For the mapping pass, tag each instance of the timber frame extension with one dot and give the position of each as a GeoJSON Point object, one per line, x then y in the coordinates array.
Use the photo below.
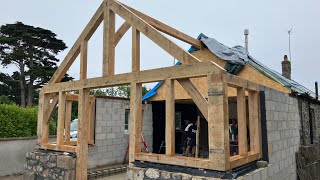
{"type": "Point", "coordinates": [214, 108]}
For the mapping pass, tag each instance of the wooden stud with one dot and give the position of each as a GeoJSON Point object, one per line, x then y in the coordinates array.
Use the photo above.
{"type": "Point", "coordinates": [166, 29]}
{"type": "Point", "coordinates": [42, 126]}
{"type": "Point", "coordinates": [149, 31]}
{"type": "Point", "coordinates": [254, 121]}
{"type": "Point", "coordinates": [67, 122]}
{"type": "Point", "coordinates": [92, 119]}
{"type": "Point", "coordinates": [135, 50]}
{"type": "Point", "coordinates": [61, 117]}
{"type": "Point", "coordinates": [82, 139]}
{"type": "Point", "coordinates": [170, 118]}
{"type": "Point", "coordinates": [75, 49]}
{"type": "Point", "coordinates": [218, 121]}
{"type": "Point", "coordinates": [84, 60]}
{"type": "Point", "coordinates": [198, 137]}
{"type": "Point", "coordinates": [242, 122]}
{"type": "Point", "coordinates": [195, 95]}
{"type": "Point", "coordinates": [155, 75]}
{"type": "Point", "coordinates": [135, 120]}
{"type": "Point", "coordinates": [121, 31]}
{"type": "Point", "coordinates": [108, 41]}
{"type": "Point", "coordinates": [236, 161]}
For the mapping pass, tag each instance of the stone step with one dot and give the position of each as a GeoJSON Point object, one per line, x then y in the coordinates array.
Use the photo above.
{"type": "Point", "coordinates": [98, 173]}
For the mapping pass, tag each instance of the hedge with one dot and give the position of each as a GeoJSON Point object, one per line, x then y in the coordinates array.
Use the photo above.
{"type": "Point", "coordinates": [16, 121]}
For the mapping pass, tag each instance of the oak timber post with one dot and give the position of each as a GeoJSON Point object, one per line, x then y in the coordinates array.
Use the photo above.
{"type": "Point", "coordinates": [218, 122]}
{"type": "Point", "coordinates": [170, 118]}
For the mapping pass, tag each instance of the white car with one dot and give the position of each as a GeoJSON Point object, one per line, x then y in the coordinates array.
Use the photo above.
{"type": "Point", "coordinates": [74, 130]}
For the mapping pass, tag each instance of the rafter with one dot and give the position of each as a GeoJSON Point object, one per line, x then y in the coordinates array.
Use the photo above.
{"type": "Point", "coordinates": [166, 29]}
{"type": "Point", "coordinates": [153, 34]}
{"type": "Point", "coordinates": [75, 50]}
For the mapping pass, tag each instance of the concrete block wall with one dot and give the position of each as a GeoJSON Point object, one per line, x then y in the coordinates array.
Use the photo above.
{"type": "Point", "coordinates": [111, 139]}
{"type": "Point", "coordinates": [283, 123]}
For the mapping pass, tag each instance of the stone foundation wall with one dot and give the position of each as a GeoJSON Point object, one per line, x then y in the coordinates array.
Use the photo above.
{"type": "Point", "coordinates": [42, 164]}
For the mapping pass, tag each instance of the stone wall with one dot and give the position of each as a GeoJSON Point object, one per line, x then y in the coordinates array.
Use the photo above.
{"type": "Point", "coordinates": [42, 164]}
{"type": "Point", "coordinates": [111, 138]}
{"type": "Point", "coordinates": [309, 111]}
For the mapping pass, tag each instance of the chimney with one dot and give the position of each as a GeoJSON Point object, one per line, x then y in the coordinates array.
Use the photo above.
{"type": "Point", "coordinates": [317, 93]}
{"type": "Point", "coordinates": [286, 67]}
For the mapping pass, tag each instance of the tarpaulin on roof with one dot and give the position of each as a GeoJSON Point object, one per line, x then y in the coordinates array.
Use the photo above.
{"type": "Point", "coordinates": [236, 58]}
{"type": "Point", "coordinates": [238, 55]}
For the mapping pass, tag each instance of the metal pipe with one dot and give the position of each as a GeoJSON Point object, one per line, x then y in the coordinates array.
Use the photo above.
{"type": "Point", "coordinates": [246, 33]}
{"type": "Point", "coordinates": [316, 86]}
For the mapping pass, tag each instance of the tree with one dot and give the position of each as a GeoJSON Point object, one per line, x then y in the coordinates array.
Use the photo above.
{"type": "Point", "coordinates": [33, 51]}
{"type": "Point", "coordinates": [120, 91]}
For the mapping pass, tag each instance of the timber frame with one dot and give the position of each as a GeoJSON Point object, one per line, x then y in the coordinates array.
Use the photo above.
{"type": "Point", "coordinates": [214, 108]}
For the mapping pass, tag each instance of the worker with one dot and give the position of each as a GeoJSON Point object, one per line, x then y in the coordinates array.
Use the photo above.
{"type": "Point", "coordinates": [233, 135]}
{"type": "Point", "coordinates": [191, 131]}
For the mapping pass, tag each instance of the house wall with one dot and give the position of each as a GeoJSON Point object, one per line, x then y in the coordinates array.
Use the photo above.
{"type": "Point", "coordinates": [283, 126]}
{"type": "Point", "coordinates": [13, 152]}
{"type": "Point", "coordinates": [111, 139]}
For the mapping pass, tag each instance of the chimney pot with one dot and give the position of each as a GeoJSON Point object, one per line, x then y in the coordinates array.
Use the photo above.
{"type": "Point", "coordinates": [286, 67]}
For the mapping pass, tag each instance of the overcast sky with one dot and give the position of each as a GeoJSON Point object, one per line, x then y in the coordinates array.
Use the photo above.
{"type": "Point", "coordinates": [267, 21]}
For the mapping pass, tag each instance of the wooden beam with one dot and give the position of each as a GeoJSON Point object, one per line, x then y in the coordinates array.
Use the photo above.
{"type": "Point", "coordinates": [218, 121]}
{"type": "Point", "coordinates": [55, 147]}
{"type": "Point", "coordinates": [61, 117]}
{"type": "Point", "coordinates": [108, 41]}
{"type": "Point", "coordinates": [236, 161]}
{"type": "Point", "coordinates": [179, 161]}
{"type": "Point", "coordinates": [242, 122]}
{"type": "Point", "coordinates": [170, 118]}
{"type": "Point", "coordinates": [75, 49]}
{"type": "Point", "coordinates": [149, 31]}
{"type": "Point", "coordinates": [135, 50]}
{"type": "Point", "coordinates": [135, 120]}
{"type": "Point", "coordinates": [84, 60]}
{"type": "Point", "coordinates": [53, 104]}
{"type": "Point", "coordinates": [195, 95]}
{"type": "Point", "coordinates": [155, 75]}
{"type": "Point", "coordinates": [254, 121]}
{"type": "Point", "coordinates": [82, 139]}
{"type": "Point", "coordinates": [238, 82]}
{"type": "Point", "coordinates": [166, 29]}
{"type": "Point", "coordinates": [121, 31]}
{"type": "Point", "coordinates": [67, 122]}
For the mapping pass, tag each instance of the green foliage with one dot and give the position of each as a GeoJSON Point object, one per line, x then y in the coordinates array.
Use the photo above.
{"type": "Point", "coordinates": [16, 121]}
{"type": "Point", "coordinates": [119, 91]}
{"type": "Point", "coordinates": [5, 100]}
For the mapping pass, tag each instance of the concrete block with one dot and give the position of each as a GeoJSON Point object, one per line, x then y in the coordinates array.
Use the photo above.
{"type": "Point", "coordinates": [101, 136]}
{"type": "Point", "coordinates": [111, 135]}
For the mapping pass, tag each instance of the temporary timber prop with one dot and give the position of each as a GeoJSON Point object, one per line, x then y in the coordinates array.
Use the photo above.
{"type": "Point", "coordinates": [214, 108]}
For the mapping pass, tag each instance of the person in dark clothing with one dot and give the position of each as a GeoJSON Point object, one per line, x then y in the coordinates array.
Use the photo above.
{"type": "Point", "coordinates": [191, 131]}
